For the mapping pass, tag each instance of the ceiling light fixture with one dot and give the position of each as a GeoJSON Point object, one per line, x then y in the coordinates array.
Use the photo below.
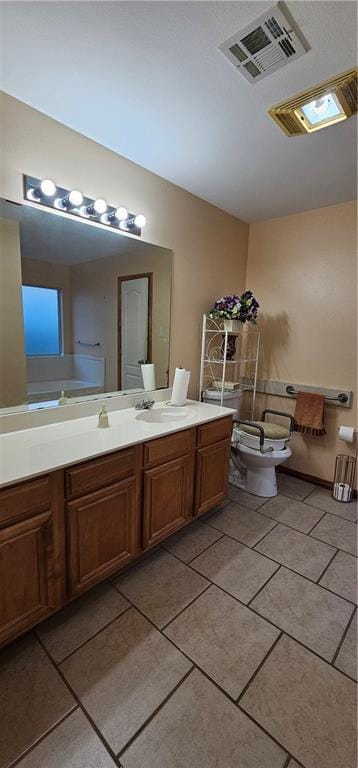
{"type": "Point", "coordinates": [322, 105]}
{"type": "Point", "coordinates": [94, 212]}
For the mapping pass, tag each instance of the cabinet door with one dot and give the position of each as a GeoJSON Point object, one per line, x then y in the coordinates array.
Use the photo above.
{"type": "Point", "coordinates": [168, 499]}
{"type": "Point", "coordinates": [30, 574]}
{"type": "Point", "coordinates": [212, 473]}
{"type": "Point", "coordinates": [101, 534]}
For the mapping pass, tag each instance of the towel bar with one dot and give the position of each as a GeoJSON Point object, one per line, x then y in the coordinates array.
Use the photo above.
{"type": "Point", "coordinates": [88, 344]}
{"type": "Point", "coordinates": [342, 397]}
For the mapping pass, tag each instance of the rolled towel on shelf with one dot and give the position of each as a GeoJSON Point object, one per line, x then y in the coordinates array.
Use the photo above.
{"type": "Point", "coordinates": [309, 414]}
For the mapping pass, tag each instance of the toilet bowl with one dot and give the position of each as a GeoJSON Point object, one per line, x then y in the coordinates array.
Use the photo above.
{"type": "Point", "coordinates": [254, 460]}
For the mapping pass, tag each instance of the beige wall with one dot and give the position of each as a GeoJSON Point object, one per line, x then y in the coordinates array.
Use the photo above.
{"type": "Point", "coordinates": [50, 275]}
{"type": "Point", "coordinates": [209, 246]}
{"type": "Point", "coordinates": [303, 270]}
{"type": "Point", "coordinates": [95, 305]}
{"type": "Point", "coordinates": [12, 349]}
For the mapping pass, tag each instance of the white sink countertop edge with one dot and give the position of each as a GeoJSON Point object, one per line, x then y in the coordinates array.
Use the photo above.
{"type": "Point", "coordinates": [30, 452]}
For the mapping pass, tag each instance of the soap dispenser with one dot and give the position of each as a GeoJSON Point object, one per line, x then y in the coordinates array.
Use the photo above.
{"type": "Point", "coordinates": [103, 418]}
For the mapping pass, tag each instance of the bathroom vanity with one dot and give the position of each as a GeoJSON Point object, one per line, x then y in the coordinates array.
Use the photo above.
{"type": "Point", "coordinates": [78, 503]}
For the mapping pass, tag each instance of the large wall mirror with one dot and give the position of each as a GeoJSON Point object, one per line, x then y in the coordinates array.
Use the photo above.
{"type": "Point", "coordinates": [82, 309]}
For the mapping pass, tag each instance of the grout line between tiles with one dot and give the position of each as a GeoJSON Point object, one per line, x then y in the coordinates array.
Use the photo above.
{"type": "Point", "coordinates": [79, 704]}
{"type": "Point", "coordinates": [42, 738]}
{"type": "Point", "coordinates": [326, 568]}
{"type": "Point", "coordinates": [262, 662]}
{"type": "Point", "coordinates": [186, 606]}
{"type": "Point", "coordinates": [92, 636]}
{"type": "Point", "coordinates": [186, 562]}
{"type": "Point", "coordinates": [155, 712]}
{"type": "Point", "coordinates": [342, 641]}
{"type": "Point", "coordinates": [263, 586]}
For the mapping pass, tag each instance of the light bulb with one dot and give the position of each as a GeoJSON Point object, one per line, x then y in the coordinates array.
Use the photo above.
{"type": "Point", "coordinates": [48, 187]}
{"type": "Point", "coordinates": [72, 200]}
{"type": "Point", "coordinates": [140, 220]}
{"type": "Point", "coordinates": [99, 205]}
{"type": "Point", "coordinates": [121, 213]}
{"type": "Point", "coordinates": [320, 106]}
{"type": "Point", "coordinates": [75, 198]}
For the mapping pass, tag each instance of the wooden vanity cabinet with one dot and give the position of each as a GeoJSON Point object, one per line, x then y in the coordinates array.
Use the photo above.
{"type": "Point", "coordinates": [65, 531]}
{"type": "Point", "coordinates": [32, 557]}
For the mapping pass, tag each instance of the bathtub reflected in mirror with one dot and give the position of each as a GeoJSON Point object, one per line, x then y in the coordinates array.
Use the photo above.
{"type": "Point", "coordinates": [82, 309]}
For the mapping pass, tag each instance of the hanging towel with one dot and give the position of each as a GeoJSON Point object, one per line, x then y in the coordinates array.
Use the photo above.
{"type": "Point", "coordinates": [309, 414]}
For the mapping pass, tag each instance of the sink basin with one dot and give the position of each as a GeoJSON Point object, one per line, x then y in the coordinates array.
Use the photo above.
{"type": "Point", "coordinates": [164, 415]}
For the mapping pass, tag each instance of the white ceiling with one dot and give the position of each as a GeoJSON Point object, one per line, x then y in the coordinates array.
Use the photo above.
{"type": "Point", "coordinates": [146, 79]}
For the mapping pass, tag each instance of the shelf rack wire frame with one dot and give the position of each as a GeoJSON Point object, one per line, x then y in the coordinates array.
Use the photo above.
{"type": "Point", "coordinates": [214, 353]}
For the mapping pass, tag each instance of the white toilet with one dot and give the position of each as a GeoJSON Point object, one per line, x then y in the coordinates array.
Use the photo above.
{"type": "Point", "coordinates": [257, 448]}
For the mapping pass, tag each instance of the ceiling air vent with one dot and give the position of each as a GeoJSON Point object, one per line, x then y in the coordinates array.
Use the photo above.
{"type": "Point", "coordinates": [268, 43]}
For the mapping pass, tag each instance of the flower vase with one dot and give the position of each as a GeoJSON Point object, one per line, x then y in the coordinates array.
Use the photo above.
{"type": "Point", "coordinates": [233, 326]}
{"type": "Point", "coordinates": [230, 346]}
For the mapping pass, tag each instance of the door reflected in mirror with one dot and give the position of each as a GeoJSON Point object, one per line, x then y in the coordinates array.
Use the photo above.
{"type": "Point", "coordinates": [82, 309]}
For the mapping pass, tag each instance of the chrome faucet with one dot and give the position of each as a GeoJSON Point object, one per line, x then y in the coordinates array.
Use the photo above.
{"type": "Point", "coordinates": [144, 405]}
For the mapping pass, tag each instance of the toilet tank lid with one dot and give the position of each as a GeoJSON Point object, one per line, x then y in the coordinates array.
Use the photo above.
{"type": "Point", "coordinates": [271, 431]}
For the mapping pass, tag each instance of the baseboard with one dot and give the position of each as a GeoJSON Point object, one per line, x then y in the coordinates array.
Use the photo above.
{"type": "Point", "coordinates": [311, 479]}
{"type": "Point", "coordinates": [308, 478]}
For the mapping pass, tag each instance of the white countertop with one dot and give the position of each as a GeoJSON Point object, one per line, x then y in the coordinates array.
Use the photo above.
{"type": "Point", "coordinates": [31, 452]}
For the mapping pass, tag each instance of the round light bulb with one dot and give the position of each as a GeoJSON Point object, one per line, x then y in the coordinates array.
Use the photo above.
{"type": "Point", "coordinates": [48, 187]}
{"type": "Point", "coordinates": [100, 206]}
{"type": "Point", "coordinates": [320, 106]}
{"type": "Point", "coordinates": [104, 219]}
{"type": "Point", "coordinates": [140, 221]}
{"type": "Point", "coordinates": [75, 198]}
{"type": "Point", "coordinates": [121, 213]}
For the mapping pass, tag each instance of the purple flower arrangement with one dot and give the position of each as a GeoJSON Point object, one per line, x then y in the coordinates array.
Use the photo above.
{"type": "Point", "coordinates": [243, 308]}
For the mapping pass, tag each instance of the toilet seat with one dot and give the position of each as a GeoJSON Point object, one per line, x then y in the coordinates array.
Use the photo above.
{"type": "Point", "coordinates": [252, 441]}
{"type": "Point", "coordinates": [277, 456]}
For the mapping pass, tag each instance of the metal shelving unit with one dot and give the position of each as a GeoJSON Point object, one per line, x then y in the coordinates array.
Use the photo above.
{"type": "Point", "coordinates": [217, 371]}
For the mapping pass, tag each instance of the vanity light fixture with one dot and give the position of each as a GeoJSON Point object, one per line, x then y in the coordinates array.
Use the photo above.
{"type": "Point", "coordinates": [76, 204]}
{"type": "Point", "coordinates": [325, 104]}
{"type": "Point", "coordinates": [47, 188]}
{"type": "Point", "coordinates": [72, 200]}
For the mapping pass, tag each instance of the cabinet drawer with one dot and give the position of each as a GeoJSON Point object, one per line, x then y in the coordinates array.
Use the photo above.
{"type": "Point", "coordinates": [100, 472]}
{"type": "Point", "coordinates": [214, 431]}
{"type": "Point", "coordinates": [23, 500]}
{"type": "Point", "coordinates": [170, 447]}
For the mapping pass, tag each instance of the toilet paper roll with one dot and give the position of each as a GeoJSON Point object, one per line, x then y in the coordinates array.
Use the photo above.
{"type": "Point", "coordinates": [148, 376]}
{"type": "Point", "coordinates": [180, 386]}
{"type": "Point", "coordinates": [346, 434]}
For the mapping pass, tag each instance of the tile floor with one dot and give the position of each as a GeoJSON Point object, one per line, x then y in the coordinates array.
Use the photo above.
{"type": "Point", "coordinates": [233, 645]}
